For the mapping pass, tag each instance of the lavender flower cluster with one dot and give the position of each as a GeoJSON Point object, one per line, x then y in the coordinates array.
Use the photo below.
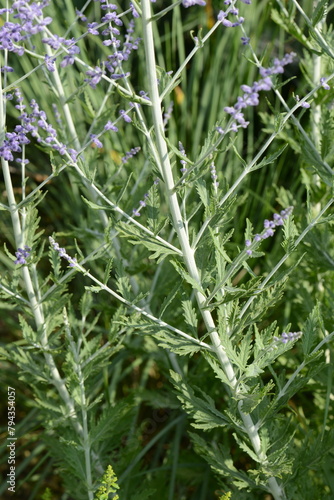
{"type": "Point", "coordinates": [130, 154]}
{"type": "Point", "coordinates": [190, 3]}
{"type": "Point", "coordinates": [35, 123]}
{"type": "Point", "coordinates": [288, 337]}
{"type": "Point", "coordinates": [31, 123]}
{"type": "Point", "coordinates": [142, 203]}
{"type": "Point", "coordinates": [29, 20]}
{"type": "Point", "coordinates": [183, 169]}
{"type": "Point", "coordinates": [269, 226]}
{"type": "Point", "coordinates": [251, 94]}
{"type": "Point", "coordinates": [113, 63]}
{"type": "Point", "coordinates": [22, 254]}
{"type": "Point", "coordinates": [222, 16]}
{"type": "Point", "coordinates": [284, 338]}
{"type": "Point", "coordinates": [214, 175]}
{"type": "Point", "coordinates": [62, 252]}
{"type": "Point", "coordinates": [202, 3]}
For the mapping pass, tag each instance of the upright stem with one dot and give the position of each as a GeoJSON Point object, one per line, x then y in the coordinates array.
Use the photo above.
{"type": "Point", "coordinates": [35, 306]}
{"type": "Point", "coordinates": [187, 251]}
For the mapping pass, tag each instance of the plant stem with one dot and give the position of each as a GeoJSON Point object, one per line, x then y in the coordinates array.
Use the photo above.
{"type": "Point", "coordinates": [188, 252]}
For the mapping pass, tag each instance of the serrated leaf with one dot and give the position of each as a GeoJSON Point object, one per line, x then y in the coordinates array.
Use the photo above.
{"type": "Point", "coordinates": [202, 410]}
{"type": "Point", "coordinates": [139, 238]}
{"type": "Point", "coordinates": [118, 415]}
{"type": "Point", "coordinates": [169, 298]}
{"type": "Point", "coordinates": [290, 26]}
{"type": "Point", "coordinates": [89, 105]}
{"type": "Point", "coordinates": [203, 192]}
{"type": "Point", "coordinates": [220, 374]}
{"type": "Point", "coordinates": [310, 336]}
{"type": "Point", "coordinates": [219, 459]}
{"type": "Point", "coordinates": [270, 159]}
{"type": "Point", "coordinates": [189, 314]}
{"type": "Point", "coordinates": [313, 158]}
{"type": "Point", "coordinates": [178, 345]}
{"type": "Point", "coordinates": [290, 233]}
{"type": "Point", "coordinates": [153, 209]}
{"type": "Point", "coordinates": [253, 398]}
{"type": "Point", "coordinates": [319, 12]}
{"type": "Point", "coordinates": [246, 448]}
{"type": "Point", "coordinates": [195, 284]}
{"type": "Point", "coordinates": [107, 271]}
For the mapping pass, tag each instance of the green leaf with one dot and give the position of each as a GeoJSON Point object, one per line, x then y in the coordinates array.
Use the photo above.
{"type": "Point", "coordinates": [177, 344]}
{"type": "Point", "coordinates": [221, 462]}
{"type": "Point", "coordinates": [290, 234]}
{"type": "Point", "coordinates": [124, 188]}
{"type": "Point", "coordinates": [319, 12]}
{"type": "Point", "coordinates": [96, 206]}
{"type": "Point", "coordinates": [177, 152]}
{"type": "Point", "coordinates": [290, 26]}
{"type": "Point", "coordinates": [253, 398]}
{"type": "Point", "coordinates": [153, 209]}
{"type": "Point", "coordinates": [136, 237]}
{"type": "Point", "coordinates": [202, 410]}
{"type": "Point", "coordinates": [169, 298]}
{"type": "Point", "coordinates": [123, 283]}
{"type": "Point", "coordinates": [270, 159]}
{"type": "Point", "coordinates": [310, 330]}
{"type": "Point", "coordinates": [313, 158]}
{"type": "Point", "coordinates": [195, 284]}
{"type": "Point", "coordinates": [164, 80]}
{"type": "Point", "coordinates": [190, 316]}
{"type": "Point", "coordinates": [246, 448]}
{"type": "Point", "coordinates": [203, 192]}
{"type": "Point", "coordinates": [107, 271]}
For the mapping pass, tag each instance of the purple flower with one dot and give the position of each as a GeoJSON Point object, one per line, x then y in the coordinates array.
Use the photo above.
{"type": "Point", "coordinates": [125, 116]}
{"type": "Point", "coordinates": [55, 42]}
{"type": "Point", "coordinates": [226, 22]}
{"type": "Point", "coordinates": [95, 76]}
{"type": "Point", "coordinates": [286, 337]}
{"type": "Point", "coordinates": [80, 15]}
{"type": "Point", "coordinates": [248, 244]}
{"type": "Point", "coordinates": [214, 175]}
{"type": "Point", "coordinates": [130, 154]}
{"type": "Point", "coordinates": [96, 141]}
{"type": "Point", "coordinates": [251, 94]}
{"type": "Point", "coordinates": [36, 125]}
{"type": "Point", "coordinates": [269, 226]}
{"type": "Point", "coordinates": [183, 162]}
{"type": "Point", "coordinates": [190, 3]}
{"type": "Point", "coordinates": [133, 10]}
{"type": "Point", "coordinates": [7, 69]}
{"type": "Point", "coordinates": [112, 16]}
{"type": "Point", "coordinates": [22, 254]}
{"type": "Point", "coordinates": [324, 84]}
{"type": "Point", "coordinates": [49, 63]}
{"type": "Point", "coordinates": [62, 252]}
{"type": "Point", "coordinates": [92, 28]}
{"type": "Point", "coordinates": [110, 126]}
